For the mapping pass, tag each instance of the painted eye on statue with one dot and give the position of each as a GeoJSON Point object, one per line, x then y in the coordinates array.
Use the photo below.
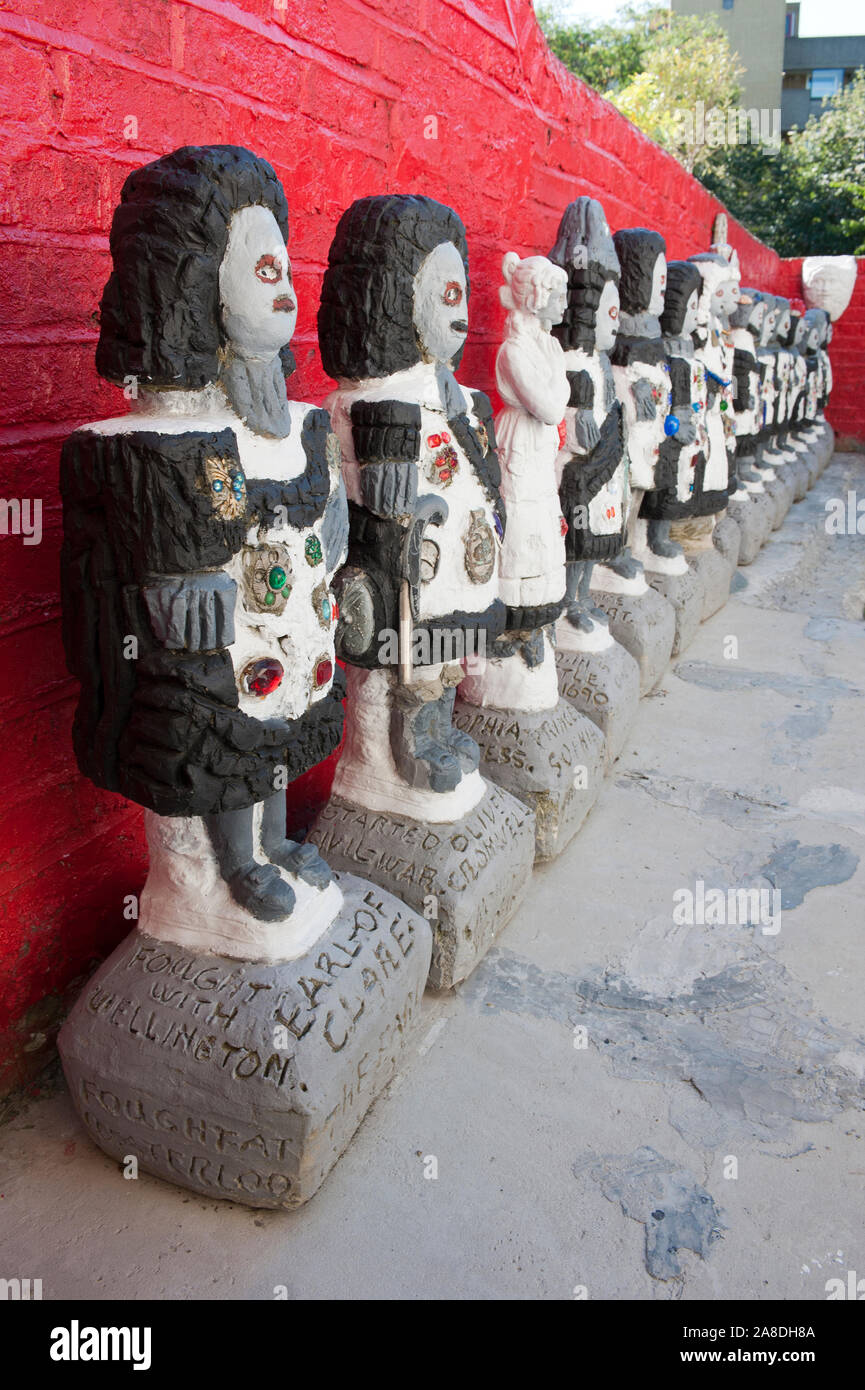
{"type": "Point", "coordinates": [614, 313]}
{"type": "Point", "coordinates": [453, 294]}
{"type": "Point", "coordinates": [268, 270]}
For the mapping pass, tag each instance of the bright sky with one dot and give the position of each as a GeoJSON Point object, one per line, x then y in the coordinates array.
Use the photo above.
{"type": "Point", "coordinates": [817, 18]}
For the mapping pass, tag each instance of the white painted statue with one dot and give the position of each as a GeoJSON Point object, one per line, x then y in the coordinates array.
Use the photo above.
{"type": "Point", "coordinates": [531, 380]}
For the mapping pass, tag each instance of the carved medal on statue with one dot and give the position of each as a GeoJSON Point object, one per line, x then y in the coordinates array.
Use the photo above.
{"type": "Point", "coordinates": [266, 577]}
{"type": "Point", "coordinates": [480, 549]}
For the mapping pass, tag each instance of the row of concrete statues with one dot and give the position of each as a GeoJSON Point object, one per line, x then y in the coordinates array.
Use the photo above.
{"type": "Point", "coordinates": [498, 591]}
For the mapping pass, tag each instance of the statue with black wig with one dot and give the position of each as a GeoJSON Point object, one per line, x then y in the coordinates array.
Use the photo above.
{"type": "Point", "coordinates": [775, 452]}
{"type": "Point", "coordinates": [750, 473]}
{"type": "Point", "coordinates": [202, 532]}
{"type": "Point", "coordinates": [660, 424]}
{"type": "Point", "coordinates": [595, 672]}
{"type": "Point", "coordinates": [713, 344]}
{"type": "Point", "coordinates": [593, 486]}
{"type": "Point", "coordinates": [420, 594]}
{"type": "Point", "coordinates": [817, 333]}
{"type": "Point", "coordinates": [642, 375]}
{"type": "Point", "coordinates": [681, 497]}
{"type": "Point", "coordinates": [795, 446]}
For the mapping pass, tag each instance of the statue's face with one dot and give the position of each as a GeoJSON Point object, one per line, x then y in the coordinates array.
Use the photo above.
{"type": "Point", "coordinates": [607, 322]}
{"type": "Point", "coordinates": [691, 319]}
{"type": "Point", "coordinates": [659, 286]}
{"type": "Point", "coordinates": [783, 327]}
{"type": "Point", "coordinates": [725, 299]}
{"type": "Point", "coordinates": [557, 303]}
{"type": "Point", "coordinates": [440, 307]}
{"type": "Point", "coordinates": [758, 314]}
{"type": "Point", "coordinates": [801, 333]}
{"type": "Point", "coordinates": [769, 326]}
{"type": "Point", "coordinates": [259, 306]}
{"type": "Point", "coordinates": [814, 339]}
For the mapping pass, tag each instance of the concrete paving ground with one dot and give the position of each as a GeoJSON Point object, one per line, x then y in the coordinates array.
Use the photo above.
{"type": "Point", "coordinates": [705, 1143]}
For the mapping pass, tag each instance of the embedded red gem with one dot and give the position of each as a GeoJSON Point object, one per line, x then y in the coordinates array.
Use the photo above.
{"type": "Point", "coordinates": [446, 439]}
{"type": "Point", "coordinates": [262, 677]}
{"type": "Point", "coordinates": [562, 428]}
{"type": "Point", "coordinates": [334, 610]}
{"type": "Point", "coordinates": [434, 440]}
{"type": "Point", "coordinates": [563, 526]}
{"type": "Point", "coordinates": [323, 672]}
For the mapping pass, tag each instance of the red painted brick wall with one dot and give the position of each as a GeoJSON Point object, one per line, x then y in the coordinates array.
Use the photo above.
{"type": "Point", "coordinates": [337, 94]}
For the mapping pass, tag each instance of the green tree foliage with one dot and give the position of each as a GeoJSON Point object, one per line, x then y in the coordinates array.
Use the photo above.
{"type": "Point", "coordinates": [805, 197]}
{"type": "Point", "coordinates": [687, 61]}
{"type": "Point", "coordinates": [808, 197]}
{"type": "Point", "coordinates": [606, 56]}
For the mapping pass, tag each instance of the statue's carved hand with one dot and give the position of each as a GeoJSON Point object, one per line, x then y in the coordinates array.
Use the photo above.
{"type": "Point", "coordinates": [389, 489]}
{"type": "Point", "coordinates": [687, 433]}
{"type": "Point", "coordinates": [644, 400]}
{"type": "Point", "coordinates": [193, 613]}
{"type": "Point", "coordinates": [586, 430]}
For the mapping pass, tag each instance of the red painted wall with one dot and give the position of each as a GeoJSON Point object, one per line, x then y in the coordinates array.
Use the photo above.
{"type": "Point", "coordinates": [339, 95]}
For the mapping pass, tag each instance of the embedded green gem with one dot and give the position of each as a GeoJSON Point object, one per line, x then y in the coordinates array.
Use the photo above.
{"type": "Point", "coordinates": [270, 599]}
{"type": "Point", "coordinates": [277, 577]}
{"type": "Point", "coordinates": [312, 550]}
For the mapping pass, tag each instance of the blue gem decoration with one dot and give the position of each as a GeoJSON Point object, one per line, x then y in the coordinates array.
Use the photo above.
{"type": "Point", "coordinates": [671, 425]}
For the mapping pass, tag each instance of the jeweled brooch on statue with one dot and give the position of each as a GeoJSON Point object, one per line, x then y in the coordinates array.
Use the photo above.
{"type": "Point", "coordinates": [227, 487]}
{"type": "Point", "coordinates": [266, 577]}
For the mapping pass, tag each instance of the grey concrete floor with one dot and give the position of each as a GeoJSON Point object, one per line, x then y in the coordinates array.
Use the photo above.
{"type": "Point", "coordinates": [704, 1143]}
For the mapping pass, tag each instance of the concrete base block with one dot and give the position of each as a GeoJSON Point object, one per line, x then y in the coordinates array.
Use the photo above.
{"type": "Point", "coordinates": [605, 686]}
{"type": "Point", "coordinates": [753, 515]}
{"type": "Point", "coordinates": [826, 448]}
{"type": "Point", "coordinates": [814, 464]}
{"type": "Point", "coordinates": [800, 474]}
{"type": "Point", "coordinates": [687, 595]}
{"type": "Point", "coordinates": [781, 489]}
{"type": "Point", "coordinates": [715, 573]}
{"type": "Point", "coordinates": [551, 760]}
{"type": "Point", "coordinates": [727, 538]}
{"type": "Point", "coordinates": [645, 625]}
{"type": "Point", "coordinates": [240, 1080]}
{"type": "Point", "coordinates": [468, 876]}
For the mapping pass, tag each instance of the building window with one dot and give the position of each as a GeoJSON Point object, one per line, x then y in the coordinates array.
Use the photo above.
{"type": "Point", "coordinates": [826, 82]}
{"type": "Point", "coordinates": [726, 4]}
{"type": "Point", "coordinates": [791, 23]}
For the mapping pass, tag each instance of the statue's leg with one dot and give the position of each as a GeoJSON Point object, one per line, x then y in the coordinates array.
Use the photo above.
{"type": "Point", "coordinates": [419, 744]}
{"type": "Point", "coordinates": [624, 565]}
{"type": "Point", "coordinates": [256, 887]}
{"type": "Point", "coordinates": [303, 860]}
{"type": "Point", "coordinates": [463, 747]}
{"type": "Point", "coordinates": [658, 536]}
{"type": "Point", "coordinates": [578, 573]}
